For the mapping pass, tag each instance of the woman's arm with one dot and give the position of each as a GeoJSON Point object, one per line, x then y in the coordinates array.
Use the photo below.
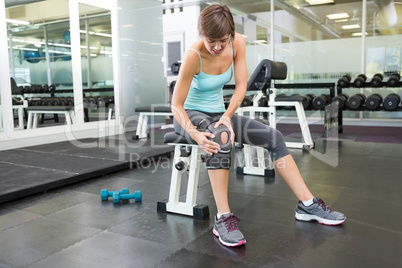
{"type": "Point", "coordinates": [187, 71]}
{"type": "Point", "coordinates": [190, 67]}
{"type": "Point", "coordinates": [240, 73]}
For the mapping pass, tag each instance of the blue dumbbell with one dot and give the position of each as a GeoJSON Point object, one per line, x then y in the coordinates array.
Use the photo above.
{"type": "Point", "coordinates": [105, 194]}
{"type": "Point", "coordinates": [137, 196]}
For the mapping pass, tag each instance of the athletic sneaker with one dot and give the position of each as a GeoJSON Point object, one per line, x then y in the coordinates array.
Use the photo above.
{"type": "Point", "coordinates": [226, 229]}
{"type": "Point", "coordinates": [319, 212]}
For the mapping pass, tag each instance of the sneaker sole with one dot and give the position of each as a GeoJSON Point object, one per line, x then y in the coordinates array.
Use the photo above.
{"type": "Point", "coordinates": [307, 217]}
{"type": "Point", "coordinates": [241, 242]}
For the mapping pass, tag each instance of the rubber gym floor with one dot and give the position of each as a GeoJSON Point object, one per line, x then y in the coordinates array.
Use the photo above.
{"type": "Point", "coordinates": [51, 214]}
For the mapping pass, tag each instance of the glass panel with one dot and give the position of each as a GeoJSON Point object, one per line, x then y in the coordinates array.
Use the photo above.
{"type": "Point", "coordinates": [142, 59]}
{"type": "Point", "coordinates": [97, 61]}
{"type": "Point", "coordinates": [321, 43]}
{"type": "Point", "coordinates": [384, 39]}
{"type": "Point", "coordinates": [40, 61]}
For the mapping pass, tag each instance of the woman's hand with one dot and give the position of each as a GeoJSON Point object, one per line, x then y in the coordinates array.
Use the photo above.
{"type": "Point", "coordinates": [210, 147]}
{"type": "Point", "coordinates": [225, 120]}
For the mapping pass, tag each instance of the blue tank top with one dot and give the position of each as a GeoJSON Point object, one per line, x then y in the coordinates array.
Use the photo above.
{"type": "Point", "coordinates": [206, 90]}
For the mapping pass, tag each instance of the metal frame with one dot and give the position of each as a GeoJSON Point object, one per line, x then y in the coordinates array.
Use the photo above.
{"type": "Point", "coordinates": [307, 142]}
{"type": "Point", "coordinates": [142, 125]}
{"type": "Point", "coordinates": [193, 163]}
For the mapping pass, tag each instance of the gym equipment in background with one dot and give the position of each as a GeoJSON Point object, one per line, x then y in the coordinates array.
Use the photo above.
{"type": "Point", "coordinates": [31, 54]}
{"type": "Point", "coordinates": [339, 102]}
{"type": "Point", "coordinates": [356, 101]}
{"type": "Point", "coordinates": [321, 101]}
{"type": "Point", "coordinates": [373, 102]}
{"type": "Point", "coordinates": [359, 80]}
{"type": "Point", "coordinates": [393, 80]}
{"type": "Point", "coordinates": [344, 80]}
{"type": "Point", "coordinates": [391, 101]}
{"type": "Point", "coordinates": [376, 80]}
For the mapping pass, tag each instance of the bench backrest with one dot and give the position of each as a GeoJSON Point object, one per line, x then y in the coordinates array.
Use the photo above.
{"type": "Point", "coordinates": [266, 71]}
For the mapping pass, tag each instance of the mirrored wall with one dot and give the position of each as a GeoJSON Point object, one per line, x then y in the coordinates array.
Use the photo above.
{"type": "Point", "coordinates": [39, 41]}
{"type": "Point", "coordinates": [96, 61]}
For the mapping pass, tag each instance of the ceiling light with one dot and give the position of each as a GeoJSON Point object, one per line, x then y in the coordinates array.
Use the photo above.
{"type": "Point", "coordinates": [20, 22]}
{"type": "Point", "coordinates": [358, 34]}
{"type": "Point", "coordinates": [103, 34]}
{"type": "Point", "coordinates": [61, 45]}
{"type": "Point", "coordinates": [338, 16]}
{"type": "Point", "coordinates": [28, 49]}
{"type": "Point", "coordinates": [344, 20]}
{"type": "Point", "coordinates": [84, 32]}
{"type": "Point", "coordinates": [351, 26]}
{"type": "Point", "coordinates": [319, 2]}
{"type": "Point", "coordinates": [106, 52]}
{"type": "Point", "coordinates": [18, 40]}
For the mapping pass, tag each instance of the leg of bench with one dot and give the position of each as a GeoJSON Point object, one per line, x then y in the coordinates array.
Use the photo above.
{"type": "Point", "coordinates": [260, 157]}
{"type": "Point", "coordinates": [29, 121]}
{"type": "Point", "coordinates": [69, 115]}
{"type": "Point", "coordinates": [307, 141]}
{"type": "Point", "coordinates": [194, 172]}
{"type": "Point", "coordinates": [20, 118]}
{"type": "Point", "coordinates": [142, 126]}
{"type": "Point", "coordinates": [189, 207]}
{"type": "Point", "coordinates": [109, 115]}
{"type": "Point", "coordinates": [175, 182]}
{"type": "Point", "coordinates": [304, 126]}
{"type": "Point", "coordinates": [261, 169]}
{"type": "Point", "coordinates": [35, 120]}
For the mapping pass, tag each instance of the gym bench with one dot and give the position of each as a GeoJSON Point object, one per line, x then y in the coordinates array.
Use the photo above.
{"type": "Point", "coordinates": [20, 110]}
{"type": "Point", "coordinates": [187, 158]}
{"type": "Point", "coordinates": [260, 80]}
{"type": "Point", "coordinates": [34, 111]}
{"type": "Point", "coordinates": [144, 112]}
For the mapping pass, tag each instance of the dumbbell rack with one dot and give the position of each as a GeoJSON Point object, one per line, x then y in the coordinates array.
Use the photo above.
{"type": "Point", "coordinates": [339, 113]}
{"type": "Point", "coordinates": [34, 95]}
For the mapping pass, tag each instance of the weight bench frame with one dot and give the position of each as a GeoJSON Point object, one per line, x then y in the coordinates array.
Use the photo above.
{"type": "Point", "coordinates": [144, 113]}
{"type": "Point", "coordinates": [190, 156]}
{"type": "Point", "coordinates": [34, 111]}
{"type": "Point", "coordinates": [261, 80]}
{"type": "Point", "coordinates": [307, 142]}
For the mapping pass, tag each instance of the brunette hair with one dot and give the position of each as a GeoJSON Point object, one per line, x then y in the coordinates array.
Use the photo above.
{"type": "Point", "coordinates": [216, 21]}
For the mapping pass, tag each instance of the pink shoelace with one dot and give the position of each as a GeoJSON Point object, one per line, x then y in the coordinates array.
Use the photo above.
{"type": "Point", "coordinates": [230, 223]}
{"type": "Point", "coordinates": [323, 205]}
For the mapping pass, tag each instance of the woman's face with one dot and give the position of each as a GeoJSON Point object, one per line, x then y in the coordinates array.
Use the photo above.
{"type": "Point", "coordinates": [216, 46]}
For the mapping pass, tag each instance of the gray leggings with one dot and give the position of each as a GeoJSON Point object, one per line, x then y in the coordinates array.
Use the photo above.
{"type": "Point", "coordinates": [247, 131]}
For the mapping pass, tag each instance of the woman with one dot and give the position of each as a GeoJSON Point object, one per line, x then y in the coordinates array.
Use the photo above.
{"type": "Point", "coordinates": [200, 114]}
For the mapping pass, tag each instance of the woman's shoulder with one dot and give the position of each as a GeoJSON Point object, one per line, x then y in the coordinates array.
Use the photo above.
{"type": "Point", "coordinates": [195, 47]}
{"type": "Point", "coordinates": [195, 51]}
{"type": "Point", "coordinates": [239, 43]}
{"type": "Point", "coordinates": [239, 40]}
{"type": "Point", "coordinates": [192, 59]}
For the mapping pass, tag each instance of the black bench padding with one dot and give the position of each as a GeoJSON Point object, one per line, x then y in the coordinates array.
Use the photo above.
{"type": "Point", "coordinates": [49, 108]}
{"type": "Point", "coordinates": [174, 137]}
{"type": "Point", "coordinates": [290, 98]}
{"type": "Point", "coordinates": [154, 109]}
{"type": "Point", "coordinates": [266, 71]}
